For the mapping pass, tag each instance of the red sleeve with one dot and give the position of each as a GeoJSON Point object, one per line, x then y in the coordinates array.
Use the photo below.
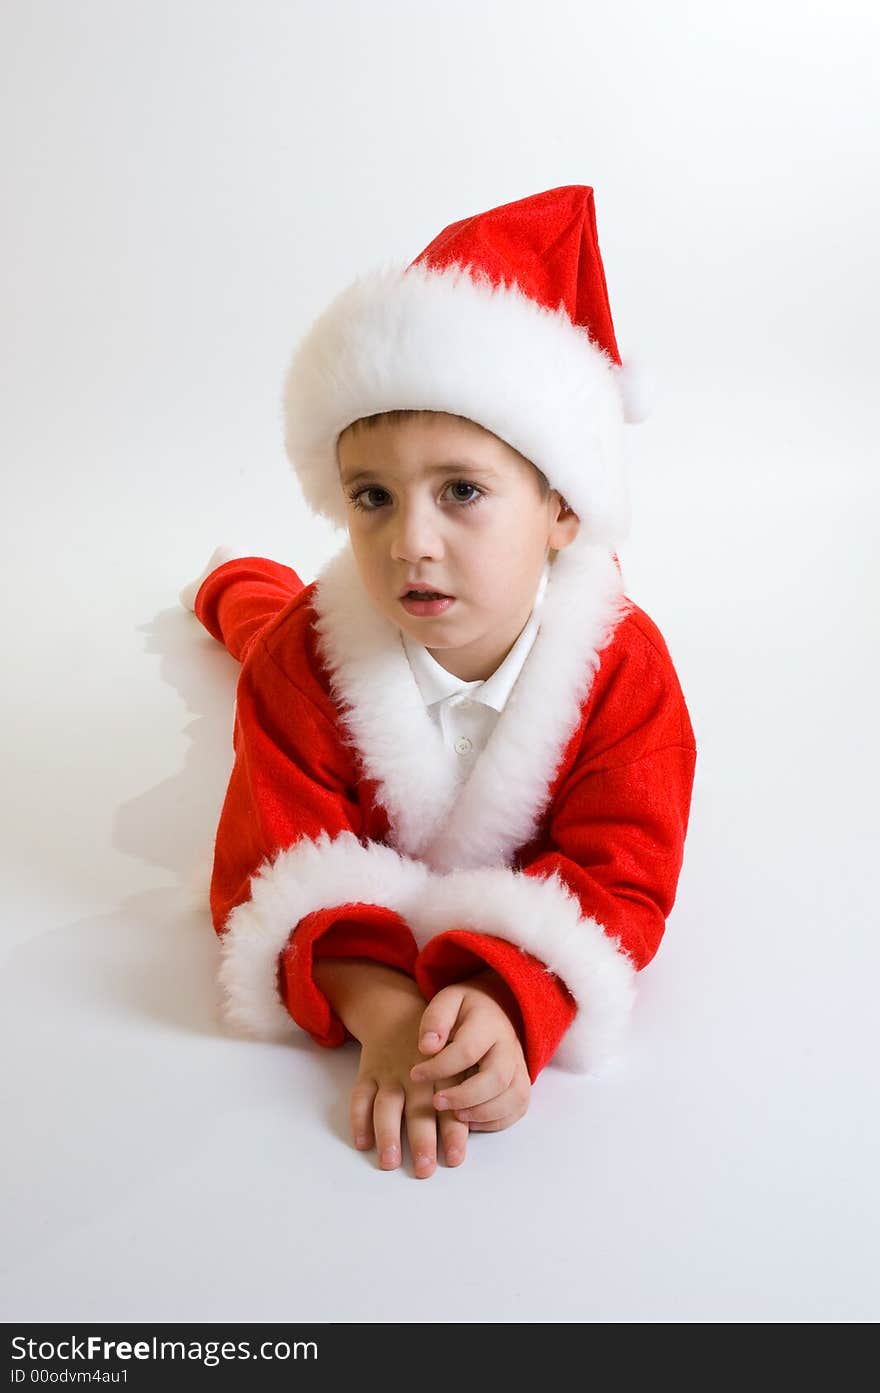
{"type": "Point", "coordinates": [376, 933]}
{"type": "Point", "coordinates": [541, 1007]}
{"type": "Point", "coordinates": [612, 845]}
{"type": "Point", "coordinates": [292, 878]}
{"type": "Point", "coordinates": [238, 599]}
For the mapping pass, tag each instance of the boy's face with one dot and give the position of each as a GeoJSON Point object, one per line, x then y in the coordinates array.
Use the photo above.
{"type": "Point", "coordinates": [435, 502]}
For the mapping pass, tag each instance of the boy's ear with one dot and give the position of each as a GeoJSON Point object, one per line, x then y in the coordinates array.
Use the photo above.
{"type": "Point", "coordinates": [566, 527]}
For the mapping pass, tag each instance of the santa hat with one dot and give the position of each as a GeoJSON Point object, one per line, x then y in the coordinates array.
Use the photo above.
{"type": "Point", "coordinates": [504, 319]}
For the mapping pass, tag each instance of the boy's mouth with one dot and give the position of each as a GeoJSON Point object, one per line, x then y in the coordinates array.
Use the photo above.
{"type": "Point", "coordinates": [425, 603]}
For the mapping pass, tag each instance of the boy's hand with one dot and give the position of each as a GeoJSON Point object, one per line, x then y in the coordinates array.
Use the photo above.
{"type": "Point", "coordinates": [382, 1008]}
{"type": "Point", "coordinates": [384, 1095]}
{"type": "Point", "coordinates": [479, 1031]}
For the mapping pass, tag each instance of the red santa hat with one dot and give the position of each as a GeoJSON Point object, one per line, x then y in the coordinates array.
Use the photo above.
{"type": "Point", "coordinates": [504, 319]}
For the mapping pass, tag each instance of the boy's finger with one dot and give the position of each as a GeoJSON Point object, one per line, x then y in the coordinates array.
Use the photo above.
{"type": "Point", "coordinates": [360, 1112]}
{"type": "Point", "coordinates": [508, 1105]}
{"type": "Point", "coordinates": [438, 1019]}
{"type": "Point", "coordinates": [421, 1131]}
{"type": "Point", "coordinates": [463, 1052]}
{"type": "Point", "coordinates": [387, 1113]}
{"type": "Point", "coordinates": [498, 1126]}
{"type": "Point", "coordinates": [480, 1090]}
{"type": "Point", "coordinates": [492, 1080]}
{"type": "Point", "coordinates": [454, 1135]}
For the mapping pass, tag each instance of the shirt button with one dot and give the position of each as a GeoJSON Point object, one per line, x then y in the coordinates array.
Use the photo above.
{"type": "Point", "coordinates": [463, 746]}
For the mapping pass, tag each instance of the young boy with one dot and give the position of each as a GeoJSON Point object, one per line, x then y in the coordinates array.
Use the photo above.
{"type": "Point", "coordinates": [463, 761]}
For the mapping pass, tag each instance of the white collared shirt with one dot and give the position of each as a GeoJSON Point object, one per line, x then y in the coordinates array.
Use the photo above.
{"type": "Point", "coordinates": [466, 713]}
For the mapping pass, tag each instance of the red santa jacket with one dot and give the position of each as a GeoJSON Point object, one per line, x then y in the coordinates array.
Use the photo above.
{"type": "Point", "coordinates": [344, 830]}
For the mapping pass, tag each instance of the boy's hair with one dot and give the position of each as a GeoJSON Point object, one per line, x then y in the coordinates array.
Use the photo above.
{"type": "Point", "coordinates": [402, 414]}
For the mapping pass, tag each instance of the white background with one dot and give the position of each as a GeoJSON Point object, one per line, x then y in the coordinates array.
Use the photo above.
{"type": "Point", "coordinates": [185, 185]}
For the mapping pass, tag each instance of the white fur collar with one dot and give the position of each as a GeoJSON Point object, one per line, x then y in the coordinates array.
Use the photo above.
{"type": "Point", "coordinates": [433, 817]}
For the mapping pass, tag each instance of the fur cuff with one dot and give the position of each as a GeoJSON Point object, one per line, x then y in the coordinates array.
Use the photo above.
{"type": "Point", "coordinates": [303, 878]}
{"type": "Point", "coordinates": [544, 918]}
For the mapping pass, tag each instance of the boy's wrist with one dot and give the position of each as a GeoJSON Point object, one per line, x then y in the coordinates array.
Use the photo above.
{"type": "Point", "coordinates": [363, 992]}
{"type": "Point", "coordinates": [494, 985]}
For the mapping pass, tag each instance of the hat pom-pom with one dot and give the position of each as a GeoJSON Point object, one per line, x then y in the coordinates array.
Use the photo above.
{"type": "Point", "coordinates": [636, 391]}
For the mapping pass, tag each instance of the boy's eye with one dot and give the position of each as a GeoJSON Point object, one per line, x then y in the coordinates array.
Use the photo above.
{"type": "Point", "coordinates": [359, 495]}
{"type": "Point", "coordinates": [364, 498]}
{"type": "Point", "coordinates": [462, 484]}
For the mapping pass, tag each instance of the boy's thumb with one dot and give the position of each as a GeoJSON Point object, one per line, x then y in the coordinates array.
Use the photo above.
{"type": "Point", "coordinates": [437, 1021]}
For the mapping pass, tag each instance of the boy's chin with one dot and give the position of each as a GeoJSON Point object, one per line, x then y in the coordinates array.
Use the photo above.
{"type": "Point", "coordinates": [435, 632]}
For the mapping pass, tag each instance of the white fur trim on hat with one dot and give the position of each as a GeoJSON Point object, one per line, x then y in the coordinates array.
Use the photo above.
{"type": "Point", "coordinates": [421, 338]}
{"type": "Point", "coordinates": [636, 389]}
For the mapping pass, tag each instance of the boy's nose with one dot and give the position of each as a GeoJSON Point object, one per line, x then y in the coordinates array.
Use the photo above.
{"type": "Point", "coordinates": [415, 537]}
